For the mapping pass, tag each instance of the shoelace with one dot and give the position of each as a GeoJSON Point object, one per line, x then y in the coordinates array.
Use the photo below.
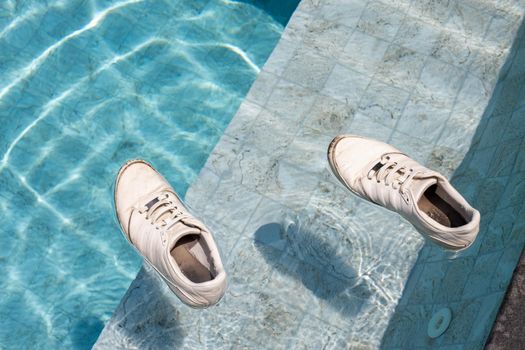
{"type": "Point", "coordinates": [158, 207]}
{"type": "Point", "coordinates": [388, 170]}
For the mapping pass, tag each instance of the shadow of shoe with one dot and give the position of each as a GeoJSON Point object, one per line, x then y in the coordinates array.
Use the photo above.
{"type": "Point", "coordinates": [316, 264]}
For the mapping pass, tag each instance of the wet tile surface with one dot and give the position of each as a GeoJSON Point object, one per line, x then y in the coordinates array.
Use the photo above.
{"type": "Point", "coordinates": [313, 266]}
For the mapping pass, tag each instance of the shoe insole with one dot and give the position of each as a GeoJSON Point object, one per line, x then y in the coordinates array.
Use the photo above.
{"type": "Point", "coordinates": [439, 210]}
{"type": "Point", "coordinates": [190, 266]}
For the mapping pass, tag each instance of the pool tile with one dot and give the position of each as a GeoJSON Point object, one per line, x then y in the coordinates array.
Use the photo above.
{"type": "Point", "coordinates": [518, 69]}
{"type": "Point", "coordinates": [364, 125]}
{"type": "Point", "coordinates": [464, 316]}
{"type": "Point", "coordinates": [440, 82]}
{"type": "Point", "coordinates": [330, 116]}
{"type": "Point", "coordinates": [253, 170]}
{"type": "Point", "coordinates": [431, 277]}
{"type": "Point", "coordinates": [487, 199]}
{"type": "Point", "coordinates": [270, 319]}
{"type": "Point", "coordinates": [470, 97]}
{"type": "Point", "coordinates": [307, 69]}
{"type": "Point", "coordinates": [444, 160]}
{"type": "Point", "coordinates": [347, 13]}
{"type": "Point", "coordinates": [330, 192]}
{"type": "Point", "coordinates": [421, 119]}
{"type": "Point", "coordinates": [221, 161]}
{"type": "Point", "coordinates": [384, 102]}
{"type": "Point", "coordinates": [413, 318]}
{"type": "Point", "coordinates": [225, 196]}
{"type": "Point", "coordinates": [417, 35]}
{"type": "Point", "coordinates": [284, 181]}
{"type": "Point", "coordinates": [243, 119]}
{"type": "Point", "coordinates": [454, 49]}
{"type": "Point", "coordinates": [430, 9]}
{"type": "Point", "coordinates": [290, 100]}
{"type": "Point", "coordinates": [504, 271]}
{"type": "Point", "coordinates": [453, 134]}
{"type": "Point", "coordinates": [514, 193]}
{"type": "Point", "coordinates": [471, 22]}
{"type": "Point", "coordinates": [401, 67]}
{"type": "Point", "coordinates": [478, 282]}
{"type": "Point", "coordinates": [374, 23]}
{"type": "Point", "coordinates": [499, 28]}
{"type": "Point", "coordinates": [519, 165]}
{"type": "Point", "coordinates": [418, 149]}
{"type": "Point", "coordinates": [280, 57]}
{"type": "Point", "coordinates": [326, 38]}
{"type": "Point", "coordinates": [297, 26]}
{"type": "Point", "coordinates": [345, 84]}
{"type": "Point", "coordinates": [308, 150]}
{"type": "Point", "coordinates": [517, 236]}
{"type": "Point", "coordinates": [269, 212]}
{"type": "Point", "coordinates": [485, 317]}
{"type": "Point", "coordinates": [487, 67]}
{"type": "Point", "coordinates": [328, 336]}
{"type": "Point", "coordinates": [269, 133]}
{"type": "Point", "coordinates": [247, 252]}
{"type": "Point", "coordinates": [454, 281]}
{"type": "Point", "coordinates": [296, 277]}
{"type": "Point", "coordinates": [262, 88]}
{"type": "Point", "coordinates": [363, 52]}
{"type": "Point", "coordinates": [511, 96]}
{"type": "Point", "coordinates": [497, 232]}
{"type": "Point", "coordinates": [513, 129]}
{"type": "Point", "coordinates": [503, 162]}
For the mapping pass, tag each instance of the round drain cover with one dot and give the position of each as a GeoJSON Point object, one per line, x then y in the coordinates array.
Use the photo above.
{"type": "Point", "coordinates": [439, 323]}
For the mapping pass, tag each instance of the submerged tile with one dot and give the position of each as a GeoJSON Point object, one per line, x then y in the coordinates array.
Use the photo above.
{"type": "Point", "coordinates": [345, 84]}
{"type": "Point", "coordinates": [401, 67]}
{"type": "Point", "coordinates": [330, 116]}
{"type": "Point", "coordinates": [308, 69]}
{"type": "Point", "coordinates": [373, 21]}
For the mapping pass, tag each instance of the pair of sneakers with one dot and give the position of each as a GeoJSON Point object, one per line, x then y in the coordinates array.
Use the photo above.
{"type": "Point", "coordinates": [182, 250]}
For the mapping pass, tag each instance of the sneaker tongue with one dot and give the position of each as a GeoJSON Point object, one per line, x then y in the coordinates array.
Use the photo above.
{"type": "Point", "coordinates": [182, 228]}
{"type": "Point", "coordinates": [419, 185]}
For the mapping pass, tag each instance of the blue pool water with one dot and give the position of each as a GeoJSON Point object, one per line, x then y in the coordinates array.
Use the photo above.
{"type": "Point", "coordinates": [84, 86]}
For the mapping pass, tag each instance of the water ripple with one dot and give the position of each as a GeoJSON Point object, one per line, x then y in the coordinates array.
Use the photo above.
{"type": "Point", "coordinates": [33, 66]}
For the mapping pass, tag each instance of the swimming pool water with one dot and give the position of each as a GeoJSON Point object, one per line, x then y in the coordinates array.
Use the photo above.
{"type": "Point", "coordinates": [84, 86]}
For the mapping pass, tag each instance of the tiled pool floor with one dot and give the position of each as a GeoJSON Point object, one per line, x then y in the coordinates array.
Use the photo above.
{"type": "Point", "coordinates": [472, 283]}
{"type": "Point", "coordinates": [310, 265]}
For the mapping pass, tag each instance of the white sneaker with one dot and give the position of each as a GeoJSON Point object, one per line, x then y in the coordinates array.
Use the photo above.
{"type": "Point", "coordinates": [378, 172]}
{"type": "Point", "coordinates": [177, 245]}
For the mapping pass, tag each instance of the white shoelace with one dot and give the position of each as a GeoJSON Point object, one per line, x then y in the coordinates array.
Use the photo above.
{"type": "Point", "coordinates": [399, 174]}
{"type": "Point", "coordinates": [158, 208]}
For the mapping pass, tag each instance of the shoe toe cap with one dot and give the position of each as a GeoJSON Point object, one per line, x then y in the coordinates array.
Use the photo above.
{"type": "Point", "coordinates": [136, 179]}
{"type": "Point", "coordinates": [350, 155]}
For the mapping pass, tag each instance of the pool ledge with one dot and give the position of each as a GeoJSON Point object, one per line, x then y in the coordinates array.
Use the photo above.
{"type": "Point", "coordinates": [417, 74]}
